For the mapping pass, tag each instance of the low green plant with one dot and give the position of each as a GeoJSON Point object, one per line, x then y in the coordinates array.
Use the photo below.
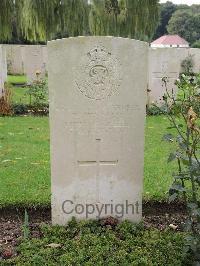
{"type": "Point", "coordinates": [94, 243]}
{"type": "Point", "coordinates": [196, 44]}
{"type": "Point", "coordinates": [154, 110]}
{"type": "Point", "coordinates": [187, 65]}
{"type": "Point", "coordinates": [38, 92]}
{"type": "Point", "coordinates": [25, 227]}
{"type": "Point", "coordinates": [20, 108]}
{"type": "Point", "coordinates": [184, 115]}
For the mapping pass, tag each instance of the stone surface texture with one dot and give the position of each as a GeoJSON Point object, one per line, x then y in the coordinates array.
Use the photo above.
{"type": "Point", "coordinates": [97, 88]}
{"type": "Point", "coordinates": [167, 63]}
{"type": "Point", "coordinates": [3, 68]}
{"type": "Point", "coordinates": [34, 57]}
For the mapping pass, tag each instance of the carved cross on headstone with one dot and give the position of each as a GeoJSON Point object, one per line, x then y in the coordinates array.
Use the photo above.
{"type": "Point", "coordinates": [165, 72]}
{"type": "Point", "coordinates": [98, 162]}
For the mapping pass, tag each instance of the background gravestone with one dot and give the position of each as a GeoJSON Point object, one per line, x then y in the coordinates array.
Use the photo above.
{"type": "Point", "coordinates": [4, 62]}
{"type": "Point", "coordinates": [34, 62]}
{"type": "Point", "coordinates": [15, 59]}
{"type": "Point", "coordinates": [3, 69]}
{"type": "Point", "coordinates": [97, 115]}
{"type": "Point", "coordinates": [166, 62]}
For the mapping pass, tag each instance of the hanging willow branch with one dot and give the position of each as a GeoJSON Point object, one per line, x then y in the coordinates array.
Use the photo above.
{"type": "Point", "coordinates": [38, 19]}
{"type": "Point", "coordinates": [74, 17]}
{"type": "Point", "coordinates": [126, 18]}
{"type": "Point", "coordinates": [6, 11]}
{"type": "Point", "coordinates": [41, 20]}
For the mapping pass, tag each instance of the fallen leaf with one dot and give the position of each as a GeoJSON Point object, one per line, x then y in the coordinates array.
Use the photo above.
{"type": "Point", "coordinates": [172, 226]}
{"type": "Point", "coordinates": [6, 161]}
{"type": "Point", "coordinates": [7, 253]}
{"type": "Point", "coordinates": [53, 245]}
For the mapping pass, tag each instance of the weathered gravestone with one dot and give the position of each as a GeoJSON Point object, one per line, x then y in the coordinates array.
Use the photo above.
{"type": "Point", "coordinates": [3, 68]}
{"type": "Point", "coordinates": [163, 63]}
{"type": "Point", "coordinates": [15, 59]}
{"type": "Point", "coordinates": [34, 62]}
{"type": "Point", "coordinates": [166, 62]}
{"type": "Point", "coordinates": [97, 116]}
{"type": "Point", "coordinates": [4, 62]}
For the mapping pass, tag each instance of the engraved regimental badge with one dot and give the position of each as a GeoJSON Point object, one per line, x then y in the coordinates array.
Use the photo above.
{"type": "Point", "coordinates": [98, 75]}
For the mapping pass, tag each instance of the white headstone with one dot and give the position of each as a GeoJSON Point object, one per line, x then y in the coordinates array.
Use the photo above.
{"type": "Point", "coordinates": [45, 57]}
{"type": "Point", "coordinates": [3, 68]}
{"type": "Point", "coordinates": [97, 116]}
{"type": "Point", "coordinates": [195, 55]}
{"type": "Point", "coordinates": [167, 62]}
{"type": "Point", "coordinates": [14, 59]}
{"type": "Point", "coordinates": [34, 62]}
{"type": "Point", "coordinates": [4, 60]}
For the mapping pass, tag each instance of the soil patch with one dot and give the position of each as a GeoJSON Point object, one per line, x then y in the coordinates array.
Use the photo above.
{"type": "Point", "coordinates": [155, 215]}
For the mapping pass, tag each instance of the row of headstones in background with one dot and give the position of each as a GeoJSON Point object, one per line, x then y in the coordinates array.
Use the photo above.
{"type": "Point", "coordinates": [166, 62]}
{"type": "Point", "coordinates": [27, 59]}
{"type": "Point", "coordinates": [3, 68]}
{"type": "Point", "coordinates": [97, 89]}
{"type": "Point", "coordinates": [162, 62]}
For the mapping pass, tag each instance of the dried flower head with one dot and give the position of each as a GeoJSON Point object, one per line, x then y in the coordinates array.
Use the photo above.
{"type": "Point", "coordinates": [191, 120]}
{"type": "Point", "coordinates": [37, 72]}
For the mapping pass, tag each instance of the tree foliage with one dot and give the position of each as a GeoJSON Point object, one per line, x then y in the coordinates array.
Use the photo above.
{"type": "Point", "coordinates": [196, 44]}
{"type": "Point", "coordinates": [183, 20]}
{"type": "Point", "coordinates": [185, 23]}
{"type": "Point", "coordinates": [6, 11]}
{"type": "Point", "coordinates": [126, 18]}
{"type": "Point", "coordinates": [41, 20]}
{"type": "Point", "coordinates": [183, 112]}
{"type": "Point", "coordinates": [166, 10]}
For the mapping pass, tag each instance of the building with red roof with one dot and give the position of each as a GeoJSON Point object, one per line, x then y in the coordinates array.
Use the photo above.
{"type": "Point", "coordinates": [170, 41]}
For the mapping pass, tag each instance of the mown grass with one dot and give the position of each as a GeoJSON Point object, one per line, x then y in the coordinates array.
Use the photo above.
{"type": "Point", "coordinates": [17, 79]}
{"type": "Point", "coordinates": [25, 166]}
{"type": "Point", "coordinates": [91, 243]}
{"type": "Point", "coordinates": [157, 172]}
{"type": "Point", "coordinates": [24, 161]}
{"type": "Point", "coordinates": [19, 95]}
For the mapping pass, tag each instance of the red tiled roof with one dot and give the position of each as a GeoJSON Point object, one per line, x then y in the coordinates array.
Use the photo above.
{"type": "Point", "coordinates": [170, 40]}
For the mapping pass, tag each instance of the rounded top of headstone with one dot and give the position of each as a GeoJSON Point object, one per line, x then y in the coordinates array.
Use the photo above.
{"type": "Point", "coordinates": [92, 38]}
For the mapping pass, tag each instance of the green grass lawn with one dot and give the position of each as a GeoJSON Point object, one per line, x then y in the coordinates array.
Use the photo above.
{"type": "Point", "coordinates": [17, 79]}
{"type": "Point", "coordinates": [25, 166]}
{"type": "Point", "coordinates": [24, 161]}
{"type": "Point", "coordinates": [19, 95]}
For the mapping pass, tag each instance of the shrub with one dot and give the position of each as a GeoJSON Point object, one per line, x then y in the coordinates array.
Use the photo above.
{"type": "Point", "coordinates": [184, 116]}
{"type": "Point", "coordinates": [155, 110]}
{"type": "Point", "coordinates": [5, 102]}
{"type": "Point", "coordinates": [187, 65]}
{"type": "Point", "coordinates": [38, 92]}
{"type": "Point", "coordinates": [196, 44]}
{"type": "Point", "coordinates": [20, 108]}
{"type": "Point", "coordinates": [24, 109]}
{"type": "Point", "coordinates": [91, 243]}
